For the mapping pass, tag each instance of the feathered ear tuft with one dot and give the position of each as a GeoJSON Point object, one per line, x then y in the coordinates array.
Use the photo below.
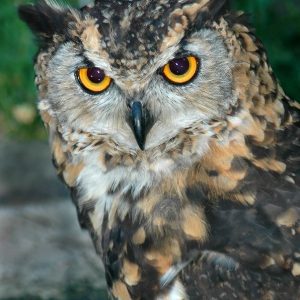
{"type": "Point", "coordinates": [44, 18]}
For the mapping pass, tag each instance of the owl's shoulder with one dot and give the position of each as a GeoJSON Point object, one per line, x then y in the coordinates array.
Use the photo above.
{"type": "Point", "coordinates": [255, 221]}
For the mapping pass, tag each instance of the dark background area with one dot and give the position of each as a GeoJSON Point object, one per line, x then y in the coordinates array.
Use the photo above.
{"type": "Point", "coordinates": [42, 249]}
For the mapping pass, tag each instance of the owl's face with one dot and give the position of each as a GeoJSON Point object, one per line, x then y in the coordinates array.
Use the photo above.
{"type": "Point", "coordinates": [138, 78]}
{"type": "Point", "coordinates": [167, 108]}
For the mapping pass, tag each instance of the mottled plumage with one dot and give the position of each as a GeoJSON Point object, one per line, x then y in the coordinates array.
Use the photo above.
{"type": "Point", "coordinates": [209, 206]}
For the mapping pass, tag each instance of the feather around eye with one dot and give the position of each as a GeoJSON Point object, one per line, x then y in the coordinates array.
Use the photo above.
{"type": "Point", "coordinates": [182, 70]}
{"type": "Point", "coordinates": [93, 80]}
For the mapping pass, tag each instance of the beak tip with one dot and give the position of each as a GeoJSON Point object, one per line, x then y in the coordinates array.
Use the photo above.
{"type": "Point", "coordinates": [142, 146]}
{"type": "Point", "coordinates": [140, 141]}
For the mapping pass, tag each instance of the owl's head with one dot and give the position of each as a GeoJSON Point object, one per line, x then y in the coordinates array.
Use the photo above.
{"type": "Point", "coordinates": [151, 83]}
{"type": "Point", "coordinates": [140, 74]}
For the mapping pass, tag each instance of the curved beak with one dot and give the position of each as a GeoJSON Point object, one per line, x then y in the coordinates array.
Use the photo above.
{"type": "Point", "coordinates": [138, 123]}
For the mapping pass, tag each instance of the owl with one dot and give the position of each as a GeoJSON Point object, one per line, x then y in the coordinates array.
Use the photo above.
{"type": "Point", "coordinates": [179, 146]}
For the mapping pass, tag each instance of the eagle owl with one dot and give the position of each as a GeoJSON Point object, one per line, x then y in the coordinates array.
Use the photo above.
{"type": "Point", "coordinates": [179, 147]}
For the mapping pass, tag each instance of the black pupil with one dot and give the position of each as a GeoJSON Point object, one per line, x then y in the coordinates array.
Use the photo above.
{"type": "Point", "coordinates": [179, 66]}
{"type": "Point", "coordinates": [95, 75]}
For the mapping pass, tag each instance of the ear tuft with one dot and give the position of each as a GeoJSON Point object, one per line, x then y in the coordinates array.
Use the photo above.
{"type": "Point", "coordinates": [44, 19]}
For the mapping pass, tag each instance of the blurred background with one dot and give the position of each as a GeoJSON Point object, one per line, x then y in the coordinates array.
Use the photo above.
{"type": "Point", "coordinates": [43, 252]}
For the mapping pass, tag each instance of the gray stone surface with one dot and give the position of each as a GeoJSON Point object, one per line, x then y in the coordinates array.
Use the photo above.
{"type": "Point", "coordinates": [27, 174]}
{"type": "Point", "coordinates": [42, 248]}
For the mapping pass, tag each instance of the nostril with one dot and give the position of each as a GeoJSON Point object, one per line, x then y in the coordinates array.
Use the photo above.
{"type": "Point", "coordinates": [132, 103]}
{"type": "Point", "coordinates": [129, 104]}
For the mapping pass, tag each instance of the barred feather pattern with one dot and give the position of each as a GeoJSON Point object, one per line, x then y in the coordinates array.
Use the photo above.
{"type": "Point", "coordinates": [213, 212]}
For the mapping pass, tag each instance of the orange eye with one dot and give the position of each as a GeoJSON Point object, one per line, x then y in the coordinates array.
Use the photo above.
{"type": "Point", "coordinates": [181, 70]}
{"type": "Point", "coordinates": [93, 79]}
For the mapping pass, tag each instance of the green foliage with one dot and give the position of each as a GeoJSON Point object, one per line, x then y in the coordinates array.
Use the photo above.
{"type": "Point", "coordinates": [16, 74]}
{"type": "Point", "coordinates": [17, 91]}
{"type": "Point", "coordinates": [277, 23]}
